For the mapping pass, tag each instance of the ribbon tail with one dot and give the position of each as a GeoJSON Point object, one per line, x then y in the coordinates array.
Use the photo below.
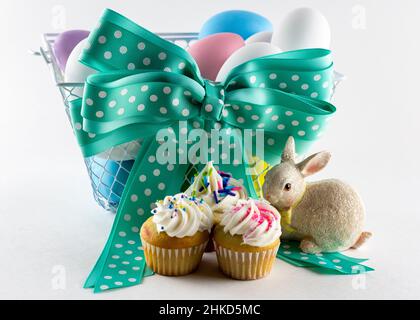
{"type": "Point", "coordinates": [339, 255]}
{"type": "Point", "coordinates": [326, 263]}
{"type": "Point", "coordinates": [122, 263]}
{"type": "Point", "coordinates": [294, 262]}
{"type": "Point", "coordinates": [148, 272]}
{"type": "Point", "coordinates": [312, 267]}
{"type": "Point", "coordinates": [97, 270]}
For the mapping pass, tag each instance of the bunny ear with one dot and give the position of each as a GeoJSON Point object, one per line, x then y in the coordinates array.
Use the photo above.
{"type": "Point", "coordinates": [314, 163]}
{"type": "Point", "coordinates": [289, 150]}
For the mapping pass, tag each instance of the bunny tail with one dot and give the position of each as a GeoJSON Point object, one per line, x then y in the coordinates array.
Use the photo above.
{"type": "Point", "coordinates": [362, 239]}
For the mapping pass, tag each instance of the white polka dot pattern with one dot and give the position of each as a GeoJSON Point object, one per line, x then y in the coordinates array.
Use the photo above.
{"type": "Point", "coordinates": [335, 263]}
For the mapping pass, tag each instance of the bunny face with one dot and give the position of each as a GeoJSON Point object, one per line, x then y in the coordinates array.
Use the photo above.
{"type": "Point", "coordinates": [284, 185]}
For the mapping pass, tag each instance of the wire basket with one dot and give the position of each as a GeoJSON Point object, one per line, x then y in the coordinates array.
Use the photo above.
{"type": "Point", "coordinates": [109, 171]}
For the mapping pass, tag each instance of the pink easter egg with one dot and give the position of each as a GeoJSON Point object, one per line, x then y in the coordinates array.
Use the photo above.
{"type": "Point", "coordinates": [212, 52]}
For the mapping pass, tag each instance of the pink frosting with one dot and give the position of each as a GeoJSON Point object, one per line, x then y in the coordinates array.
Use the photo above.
{"type": "Point", "coordinates": [256, 221]}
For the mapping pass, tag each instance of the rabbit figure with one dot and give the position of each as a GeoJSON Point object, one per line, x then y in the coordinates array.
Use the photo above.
{"type": "Point", "coordinates": [325, 216]}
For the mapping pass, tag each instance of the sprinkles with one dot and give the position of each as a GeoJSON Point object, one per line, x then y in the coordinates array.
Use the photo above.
{"type": "Point", "coordinates": [224, 174]}
{"type": "Point", "coordinates": [224, 189]}
{"type": "Point", "coordinates": [174, 205]}
{"type": "Point", "coordinates": [216, 199]}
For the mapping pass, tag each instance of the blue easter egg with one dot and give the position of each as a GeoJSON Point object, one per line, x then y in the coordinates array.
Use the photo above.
{"type": "Point", "coordinates": [109, 178]}
{"type": "Point", "coordinates": [243, 23]}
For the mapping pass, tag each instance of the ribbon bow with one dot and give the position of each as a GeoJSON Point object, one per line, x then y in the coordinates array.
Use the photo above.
{"type": "Point", "coordinates": [151, 89]}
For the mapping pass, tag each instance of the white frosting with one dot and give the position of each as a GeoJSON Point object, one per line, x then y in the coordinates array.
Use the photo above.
{"type": "Point", "coordinates": [256, 221]}
{"type": "Point", "coordinates": [181, 216]}
{"type": "Point", "coordinates": [215, 185]}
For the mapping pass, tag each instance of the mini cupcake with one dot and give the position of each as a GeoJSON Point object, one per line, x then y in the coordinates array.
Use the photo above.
{"type": "Point", "coordinates": [218, 189]}
{"type": "Point", "coordinates": [175, 237]}
{"type": "Point", "coordinates": [247, 239]}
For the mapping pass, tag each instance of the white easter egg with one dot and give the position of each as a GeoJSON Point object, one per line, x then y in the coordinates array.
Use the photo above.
{"type": "Point", "coordinates": [77, 72]}
{"type": "Point", "coordinates": [124, 152]}
{"type": "Point", "coordinates": [264, 36]}
{"type": "Point", "coordinates": [247, 53]}
{"type": "Point", "coordinates": [303, 28]}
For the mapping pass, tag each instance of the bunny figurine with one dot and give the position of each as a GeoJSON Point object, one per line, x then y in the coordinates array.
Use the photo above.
{"type": "Point", "coordinates": [325, 216]}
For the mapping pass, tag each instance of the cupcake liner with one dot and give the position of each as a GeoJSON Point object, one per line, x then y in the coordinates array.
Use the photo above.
{"type": "Point", "coordinates": [173, 262]}
{"type": "Point", "coordinates": [243, 265]}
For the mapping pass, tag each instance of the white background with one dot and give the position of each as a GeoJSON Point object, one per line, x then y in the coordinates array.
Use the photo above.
{"type": "Point", "coordinates": [48, 217]}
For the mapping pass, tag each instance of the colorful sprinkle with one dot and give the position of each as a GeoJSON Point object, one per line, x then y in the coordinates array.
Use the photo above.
{"type": "Point", "coordinates": [215, 197]}
{"type": "Point", "coordinates": [203, 184]}
{"type": "Point", "coordinates": [219, 184]}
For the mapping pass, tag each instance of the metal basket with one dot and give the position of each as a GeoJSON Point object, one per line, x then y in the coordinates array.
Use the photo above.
{"type": "Point", "coordinates": [108, 176]}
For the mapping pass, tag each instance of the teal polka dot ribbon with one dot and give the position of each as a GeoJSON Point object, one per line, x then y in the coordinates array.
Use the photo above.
{"type": "Point", "coordinates": [148, 88]}
{"type": "Point", "coordinates": [324, 263]}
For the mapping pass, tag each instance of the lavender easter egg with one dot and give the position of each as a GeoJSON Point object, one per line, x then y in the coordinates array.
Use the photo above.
{"type": "Point", "coordinates": [212, 52]}
{"type": "Point", "coordinates": [65, 43]}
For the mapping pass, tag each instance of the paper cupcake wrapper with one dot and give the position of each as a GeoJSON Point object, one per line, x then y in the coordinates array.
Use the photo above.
{"type": "Point", "coordinates": [245, 265]}
{"type": "Point", "coordinates": [173, 262]}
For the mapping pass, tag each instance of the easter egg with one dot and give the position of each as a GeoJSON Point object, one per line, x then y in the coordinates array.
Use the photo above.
{"type": "Point", "coordinates": [65, 43]}
{"type": "Point", "coordinates": [247, 53]}
{"type": "Point", "coordinates": [243, 23]}
{"type": "Point", "coordinates": [77, 72]}
{"type": "Point", "coordinates": [124, 152]}
{"type": "Point", "coordinates": [264, 36]}
{"type": "Point", "coordinates": [303, 28]}
{"type": "Point", "coordinates": [212, 52]}
{"type": "Point", "coordinates": [109, 179]}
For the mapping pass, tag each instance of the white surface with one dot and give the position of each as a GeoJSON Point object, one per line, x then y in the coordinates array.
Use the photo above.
{"type": "Point", "coordinates": [48, 217]}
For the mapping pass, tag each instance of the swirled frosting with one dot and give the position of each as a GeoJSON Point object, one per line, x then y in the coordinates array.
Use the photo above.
{"type": "Point", "coordinates": [182, 216]}
{"type": "Point", "coordinates": [256, 221]}
{"type": "Point", "coordinates": [218, 189]}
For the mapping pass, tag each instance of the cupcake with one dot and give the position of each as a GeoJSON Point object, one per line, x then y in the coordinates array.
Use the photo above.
{"type": "Point", "coordinates": [175, 237]}
{"type": "Point", "coordinates": [218, 189]}
{"type": "Point", "coordinates": [247, 239]}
